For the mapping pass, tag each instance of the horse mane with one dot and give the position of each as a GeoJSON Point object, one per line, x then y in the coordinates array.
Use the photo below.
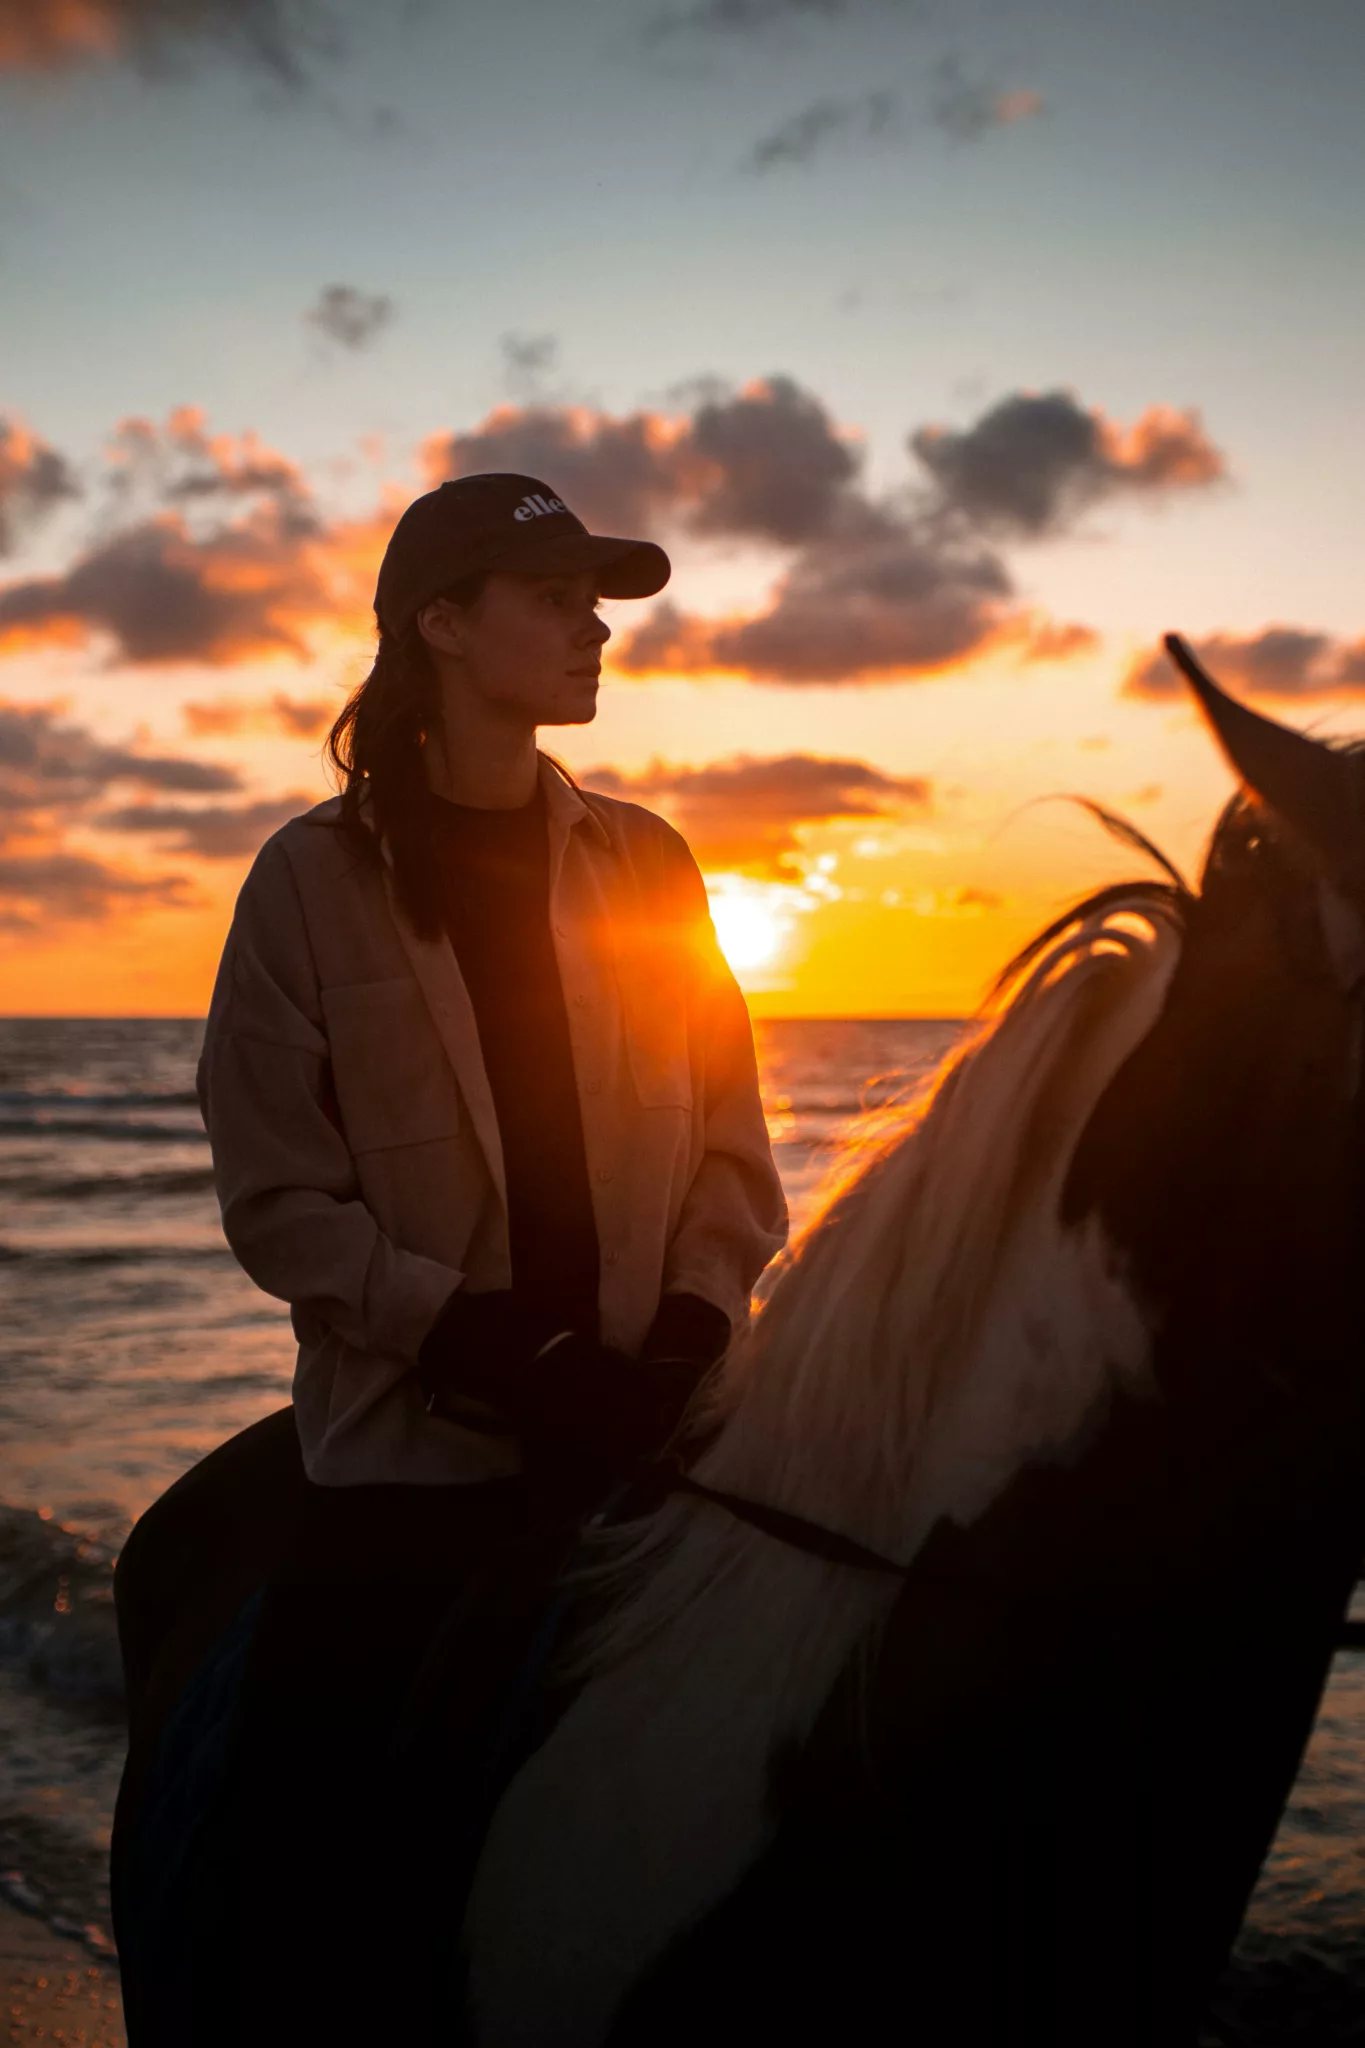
{"type": "Point", "coordinates": [884, 1383]}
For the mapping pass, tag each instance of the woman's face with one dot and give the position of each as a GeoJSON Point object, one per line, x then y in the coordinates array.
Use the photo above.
{"type": "Point", "coordinates": [530, 648]}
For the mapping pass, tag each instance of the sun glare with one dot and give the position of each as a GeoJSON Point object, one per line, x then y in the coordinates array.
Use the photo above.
{"type": "Point", "coordinates": [750, 934]}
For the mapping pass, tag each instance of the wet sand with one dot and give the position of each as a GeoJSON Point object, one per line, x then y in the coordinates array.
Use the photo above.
{"type": "Point", "coordinates": [53, 1988]}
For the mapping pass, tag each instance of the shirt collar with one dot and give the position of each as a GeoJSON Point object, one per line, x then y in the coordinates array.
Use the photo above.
{"type": "Point", "coordinates": [565, 804]}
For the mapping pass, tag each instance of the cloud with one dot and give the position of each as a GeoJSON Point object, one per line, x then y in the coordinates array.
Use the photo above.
{"type": "Point", "coordinates": [179, 462]}
{"type": "Point", "coordinates": [296, 717]}
{"type": "Point", "coordinates": [34, 479]}
{"type": "Point", "coordinates": [1056, 640]}
{"type": "Point", "coordinates": [746, 814]}
{"type": "Point", "coordinates": [53, 774]}
{"type": "Point", "coordinates": [164, 596]}
{"type": "Point", "coordinates": [616, 474]}
{"type": "Point", "coordinates": [804, 136]}
{"type": "Point", "coordinates": [349, 317]}
{"type": "Point", "coordinates": [527, 360]}
{"type": "Point", "coordinates": [59, 783]}
{"type": "Point", "coordinates": [968, 109]}
{"type": "Point", "coordinates": [46, 761]}
{"type": "Point", "coordinates": [43, 889]}
{"type": "Point", "coordinates": [1281, 661]}
{"type": "Point", "coordinates": [1036, 460]}
{"type": "Point", "coordinates": [741, 17]}
{"type": "Point", "coordinates": [212, 552]}
{"type": "Point", "coordinates": [767, 464]}
{"type": "Point", "coordinates": [212, 831]}
{"type": "Point", "coordinates": [762, 463]}
{"type": "Point", "coordinates": [280, 37]}
{"type": "Point", "coordinates": [870, 605]}
{"type": "Point", "coordinates": [877, 586]}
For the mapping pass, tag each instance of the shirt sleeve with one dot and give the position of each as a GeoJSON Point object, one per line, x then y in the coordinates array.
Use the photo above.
{"type": "Point", "coordinates": [734, 1216]}
{"type": "Point", "coordinates": [286, 1181]}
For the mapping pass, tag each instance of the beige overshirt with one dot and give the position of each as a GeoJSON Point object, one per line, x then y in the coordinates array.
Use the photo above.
{"type": "Point", "coordinates": [355, 1146]}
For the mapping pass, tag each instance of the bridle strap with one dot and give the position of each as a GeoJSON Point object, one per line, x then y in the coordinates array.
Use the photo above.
{"type": "Point", "coordinates": [811, 1537]}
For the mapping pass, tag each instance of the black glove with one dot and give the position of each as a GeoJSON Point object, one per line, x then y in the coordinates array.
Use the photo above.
{"type": "Point", "coordinates": [476, 1345]}
{"type": "Point", "coordinates": [686, 1339]}
{"type": "Point", "coordinates": [560, 1387]}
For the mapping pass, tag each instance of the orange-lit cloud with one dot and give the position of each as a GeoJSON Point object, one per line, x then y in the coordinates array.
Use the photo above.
{"type": "Point", "coordinates": [59, 785]}
{"type": "Point", "coordinates": [162, 594]}
{"type": "Point", "coordinates": [47, 762]}
{"type": "Point", "coordinates": [616, 474]}
{"type": "Point", "coordinates": [1281, 661]}
{"type": "Point", "coordinates": [281, 36]}
{"type": "Point", "coordinates": [212, 551]}
{"type": "Point", "coordinates": [878, 587]}
{"type": "Point", "coordinates": [212, 831]}
{"type": "Point", "coordinates": [41, 890]}
{"type": "Point", "coordinates": [879, 607]}
{"type": "Point", "coordinates": [745, 815]}
{"type": "Point", "coordinates": [1054, 640]}
{"type": "Point", "coordinates": [33, 480]}
{"type": "Point", "coordinates": [296, 717]}
{"type": "Point", "coordinates": [1035, 461]}
{"type": "Point", "coordinates": [766, 463]}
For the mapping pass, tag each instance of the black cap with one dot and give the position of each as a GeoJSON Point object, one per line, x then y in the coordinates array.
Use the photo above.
{"type": "Point", "coordinates": [510, 524]}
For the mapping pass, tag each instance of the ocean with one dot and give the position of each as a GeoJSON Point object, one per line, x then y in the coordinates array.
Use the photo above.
{"type": "Point", "coordinates": [131, 1343]}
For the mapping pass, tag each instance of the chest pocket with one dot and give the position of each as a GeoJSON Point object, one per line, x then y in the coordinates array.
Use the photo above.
{"type": "Point", "coordinates": [393, 1082]}
{"type": "Point", "coordinates": [659, 1042]}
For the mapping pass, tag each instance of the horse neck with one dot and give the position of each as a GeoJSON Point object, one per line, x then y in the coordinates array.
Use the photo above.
{"type": "Point", "coordinates": [1224, 1162]}
{"type": "Point", "coordinates": [862, 1371]}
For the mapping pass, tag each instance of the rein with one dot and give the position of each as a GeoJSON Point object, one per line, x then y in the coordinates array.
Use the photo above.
{"type": "Point", "coordinates": [811, 1537]}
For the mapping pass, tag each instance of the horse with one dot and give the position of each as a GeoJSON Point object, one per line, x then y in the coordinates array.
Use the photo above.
{"type": "Point", "coordinates": [959, 1683]}
{"type": "Point", "coordinates": [1075, 1354]}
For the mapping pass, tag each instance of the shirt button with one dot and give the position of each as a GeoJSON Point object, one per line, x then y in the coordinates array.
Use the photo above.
{"type": "Point", "coordinates": [581, 1002]}
{"type": "Point", "coordinates": [592, 1087]}
{"type": "Point", "coordinates": [610, 1258]}
{"type": "Point", "coordinates": [605, 1173]}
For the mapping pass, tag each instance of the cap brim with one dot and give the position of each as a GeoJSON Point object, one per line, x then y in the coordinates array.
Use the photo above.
{"type": "Point", "coordinates": [624, 568]}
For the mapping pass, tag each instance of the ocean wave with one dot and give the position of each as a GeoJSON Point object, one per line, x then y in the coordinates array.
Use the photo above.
{"type": "Point", "coordinates": [82, 1098]}
{"type": "Point", "coordinates": [100, 1127]}
{"type": "Point", "coordinates": [113, 1255]}
{"type": "Point", "coordinates": [57, 1620]}
{"type": "Point", "coordinates": [190, 1180]}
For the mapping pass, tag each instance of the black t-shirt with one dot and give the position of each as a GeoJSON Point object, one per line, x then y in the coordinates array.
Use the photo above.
{"type": "Point", "coordinates": [494, 879]}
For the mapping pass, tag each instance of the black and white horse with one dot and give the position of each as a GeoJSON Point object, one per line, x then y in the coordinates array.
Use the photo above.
{"type": "Point", "coordinates": [1076, 1353]}
{"type": "Point", "coordinates": [1079, 1349]}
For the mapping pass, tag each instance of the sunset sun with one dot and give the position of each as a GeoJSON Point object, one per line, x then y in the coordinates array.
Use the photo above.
{"type": "Point", "coordinates": [750, 933]}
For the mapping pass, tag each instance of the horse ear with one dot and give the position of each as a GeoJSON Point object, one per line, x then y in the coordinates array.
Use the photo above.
{"type": "Point", "coordinates": [1316, 790]}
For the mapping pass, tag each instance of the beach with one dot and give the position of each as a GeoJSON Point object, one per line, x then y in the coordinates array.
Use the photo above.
{"type": "Point", "coordinates": [52, 1989]}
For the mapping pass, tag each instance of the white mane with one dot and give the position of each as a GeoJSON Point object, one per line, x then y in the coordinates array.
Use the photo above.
{"type": "Point", "coordinates": [935, 1330]}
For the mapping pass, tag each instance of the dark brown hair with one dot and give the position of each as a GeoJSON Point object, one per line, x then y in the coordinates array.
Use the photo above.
{"type": "Point", "coordinates": [376, 749]}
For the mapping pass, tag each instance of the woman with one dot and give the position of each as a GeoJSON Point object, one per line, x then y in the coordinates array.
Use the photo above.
{"type": "Point", "coordinates": [480, 1089]}
{"type": "Point", "coordinates": [483, 1107]}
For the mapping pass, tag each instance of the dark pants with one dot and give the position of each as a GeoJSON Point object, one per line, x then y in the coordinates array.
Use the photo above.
{"type": "Point", "coordinates": [358, 1744]}
{"type": "Point", "coordinates": [377, 1675]}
